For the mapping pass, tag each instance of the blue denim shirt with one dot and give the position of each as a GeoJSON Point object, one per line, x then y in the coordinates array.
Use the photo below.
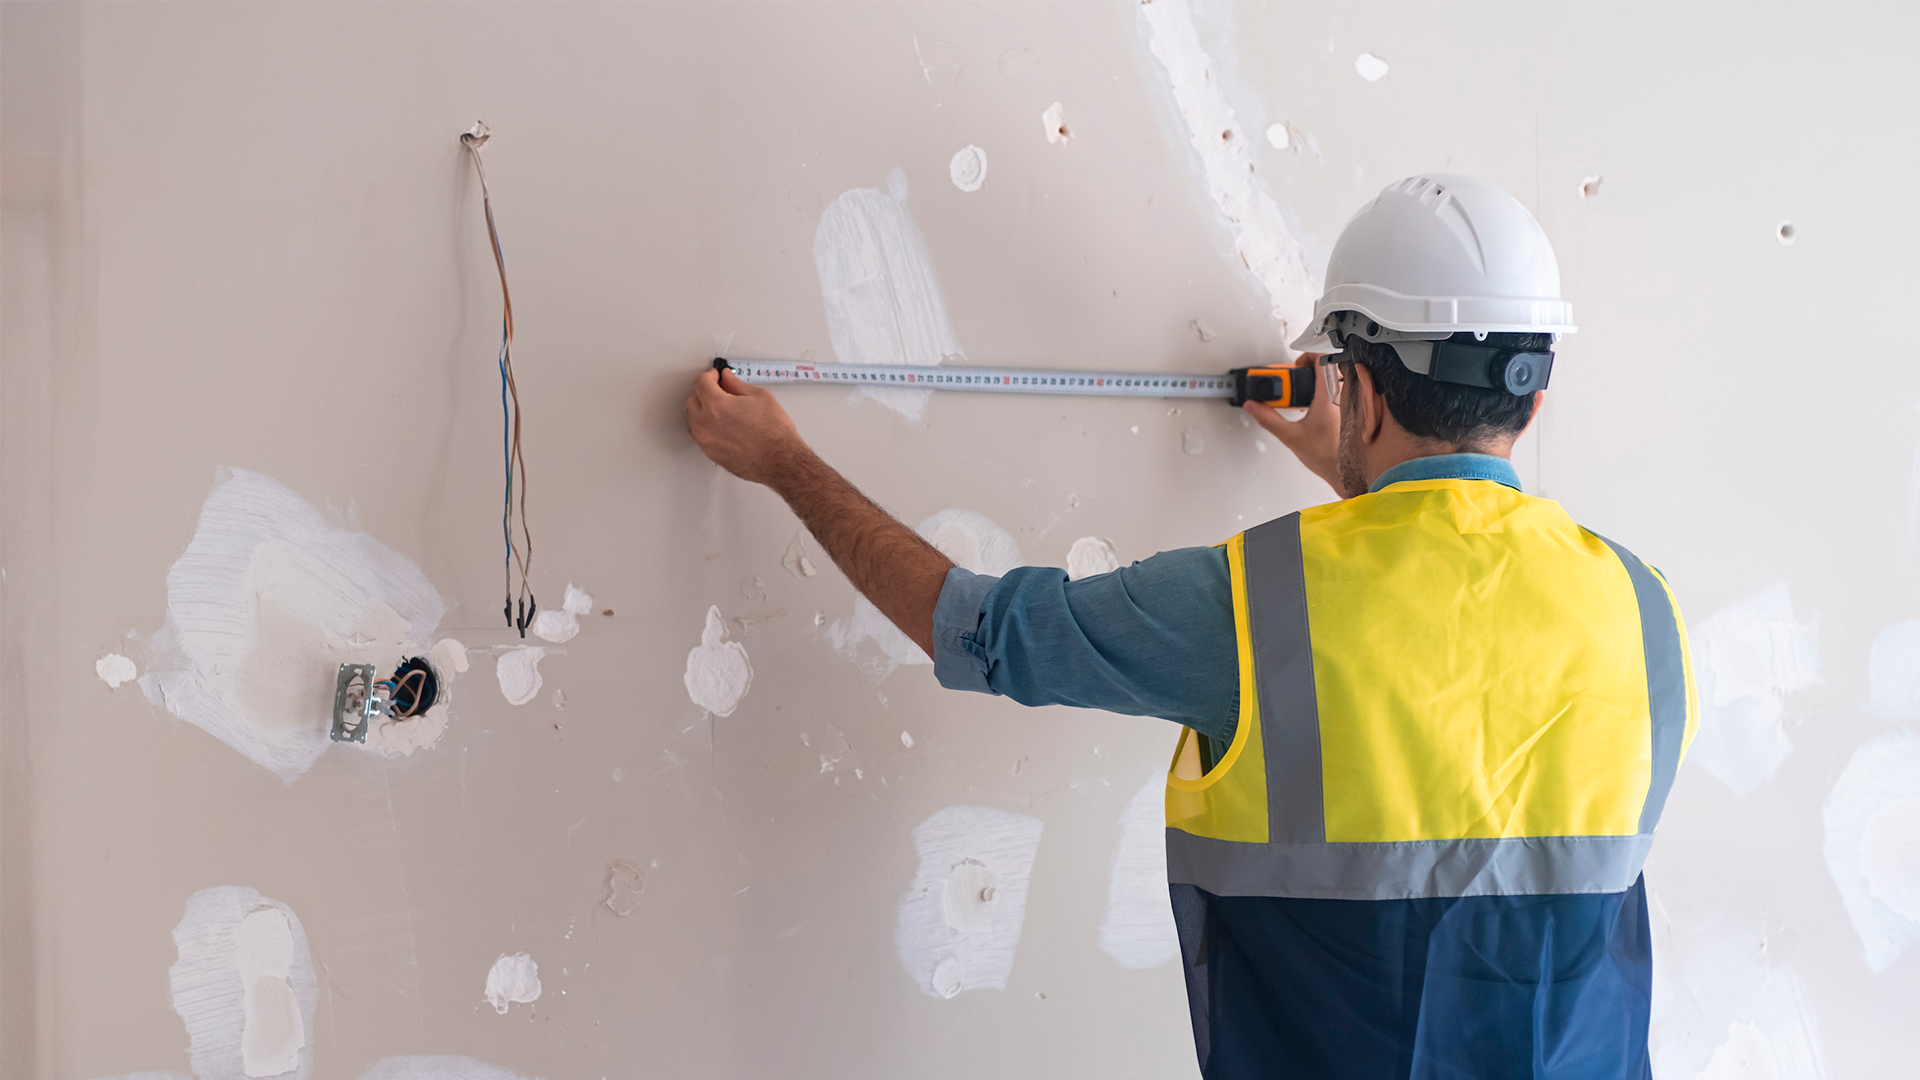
{"type": "Point", "coordinates": [1152, 639]}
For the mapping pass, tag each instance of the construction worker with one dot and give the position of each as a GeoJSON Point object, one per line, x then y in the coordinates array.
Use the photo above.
{"type": "Point", "coordinates": [1431, 726]}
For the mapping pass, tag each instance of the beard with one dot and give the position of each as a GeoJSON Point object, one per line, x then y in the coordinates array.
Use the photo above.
{"type": "Point", "coordinates": [1353, 468]}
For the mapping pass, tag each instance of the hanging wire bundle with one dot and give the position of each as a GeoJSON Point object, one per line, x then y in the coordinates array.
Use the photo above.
{"type": "Point", "coordinates": [520, 604]}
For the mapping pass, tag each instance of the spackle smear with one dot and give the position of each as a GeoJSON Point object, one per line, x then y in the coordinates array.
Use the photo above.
{"type": "Point", "coordinates": [1202, 330]}
{"type": "Point", "coordinates": [518, 670]}
{"type": "Point", "coordinates": [449, 656]}
{"type": "Point", "coordinates": [973, 541]}
{"type": "Point", "coordinates": [960, 920]}
{"type": "Point", "coordinates": [624, 886]}
{"type": "Point", "coordinates": [1724, 1010]}
{"type": "Point", "coordinates": [115, 669]}
{"type": "Point", "coordinates": [796, 561]}
{"type": "Point", "coordinates": [555, 625]}
{"type": "Point", "coordinates": [718, 673]}
{"type": "Point", "coordinates": [263, 607]}
{"type": "Point", "coordinates": [1747, 659]}
{"type": "Point", "coordinates": [968, 169]}
{"type": "Point", "coordinates": [1893, 672]}
{"type": "Point", "coordinates": [244, 985]}
{"type": "Point", "coordinates": [1277, 137]}
{"type": "Point", "coordinates": [402, 737]}
{"type": "Point", "coordinates": [1370, 67]}
{"type": "Point", "coordinates": [1192, 442]}
{"type": "Point", "coordinates": [1260, 234]}
{"type": "Point", "coordinates": [274, 1030]}
{"type": "Point", "coordinates": [906, 739]}
{"type": "Point", "coordinates": [514, 980]}
{"type": "Point", "coordinates": [437, 1067]}
{"type": "Point", "coordinates": [882, 301]}
{"type": "Point", "coordinates": [1091, 556]}
{"type": "Point", "coordinates": [1054, 122]}
{"type": "Point", "coordinates": [1138, 931]}
{"type": "Point", "coordinates": [1872, 847]}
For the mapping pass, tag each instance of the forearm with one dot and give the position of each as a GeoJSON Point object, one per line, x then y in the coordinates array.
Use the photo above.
{"type": "Point", "coordinates": [889, 563]}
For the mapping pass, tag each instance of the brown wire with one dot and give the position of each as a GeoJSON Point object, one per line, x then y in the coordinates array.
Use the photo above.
{"type": "Point", "coordinates": [522, 554]}
{"type": "Point", "coordinates": [419, 689]}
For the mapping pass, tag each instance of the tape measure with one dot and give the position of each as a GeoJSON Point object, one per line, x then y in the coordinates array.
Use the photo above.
{"type": "Point", "coordinates": [1283, 387]}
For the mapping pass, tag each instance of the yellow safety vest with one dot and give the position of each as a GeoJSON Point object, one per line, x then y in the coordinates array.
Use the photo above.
{"type": "Point", "coordinates": [1420, 856]}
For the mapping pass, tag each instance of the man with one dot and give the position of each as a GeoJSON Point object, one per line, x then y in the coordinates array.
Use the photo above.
{"type": "Point", "coordinates": [1432, 724]}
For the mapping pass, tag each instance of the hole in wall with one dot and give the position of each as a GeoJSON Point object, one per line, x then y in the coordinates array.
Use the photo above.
{"type": "Point", "coordinates": [1786, 232]}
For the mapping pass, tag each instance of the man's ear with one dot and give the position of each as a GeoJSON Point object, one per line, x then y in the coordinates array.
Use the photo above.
{"type": "Point", "coordinates": [1371, 405]}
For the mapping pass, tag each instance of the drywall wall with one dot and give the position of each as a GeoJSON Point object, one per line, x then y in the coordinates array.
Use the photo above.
{"type": "Point", "coordinates": [252, 427]}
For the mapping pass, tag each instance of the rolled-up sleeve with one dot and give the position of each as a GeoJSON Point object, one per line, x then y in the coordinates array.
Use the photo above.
{"type": "Point", "coordinates": [1152, 639]}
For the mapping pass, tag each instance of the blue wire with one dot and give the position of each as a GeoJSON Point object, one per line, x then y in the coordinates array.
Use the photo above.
{"type": "Point", "coordinates": [506, 453]}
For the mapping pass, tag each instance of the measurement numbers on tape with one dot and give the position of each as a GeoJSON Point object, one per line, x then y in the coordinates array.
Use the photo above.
{"type": "Point", "coordinates": [1282, 386]}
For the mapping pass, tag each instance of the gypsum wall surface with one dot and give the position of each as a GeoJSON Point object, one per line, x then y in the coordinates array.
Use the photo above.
{"type": "Point", "coordinates": [245, 239]}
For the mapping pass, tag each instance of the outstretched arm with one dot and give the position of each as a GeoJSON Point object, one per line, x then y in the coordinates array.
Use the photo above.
{"type": "Point", "coordinates": [744, 430]}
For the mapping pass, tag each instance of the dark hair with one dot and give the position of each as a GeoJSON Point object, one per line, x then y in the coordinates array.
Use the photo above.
{"type": "Point", "coordinates": [1463, 416]}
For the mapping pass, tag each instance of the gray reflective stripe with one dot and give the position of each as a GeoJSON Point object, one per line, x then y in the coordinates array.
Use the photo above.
{"type": "Point", "coordinates": [1408, 870]}
{"type": "Point", "coordinates": [1666, 680]}
{"type": "Point", "coordinates": [1283, 674]}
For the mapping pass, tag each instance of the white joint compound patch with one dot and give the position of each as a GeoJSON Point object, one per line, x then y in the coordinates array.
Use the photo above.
{"type": "Point", "coordinates": [882, 300]}
{"type": "Point", "coordinates": [114, 670]}
{"type": "Point", "coordinates": [264, 606]}
{"type": "Point", "coordinates": [1265, 245]}
{"type": "Point", "coordinates": [392, 736]}
{"type": "Point", "coordinates": [518, 670]}
{"type": "Point", "coordinates": [274, 1031]}
{"type": "Point", "coordinates": [968, 168]}
{"type": "Point", "coordinates": [449, 657]}
{"type": "Point", "coordinates": [1091, 556]}
{"type": "Point", "coordinates": [513, 980]}
{"type": "Point", "coordinates": [796, 561]}
{"type": "Point", "coordinates": [1370, 67]}
{"type": "Point", "coordinates": [624, 886]}
{"type": "Point", "coordinates": [1747, 659]}
{"type": "Point", "coordinates": [972, 541]}
{"type": "Point", "coordinates": [148, 1076]}
{"type": "Point", "coordinates": [437, 1067]}
{"type": "Point", "coordinates": [1893, 672]}
{"type": "Point", "coordinates": [718, 673]}
{"type": "Point", "coordinates": [560, 624]}
{"type": "Point", "coordinates": [1722, 1011]}
{"type": "Point", "coordinates": [1138, 931]}
{"type": "Point", "coordinates": [244, 986]}
{"type": "Point", "coordinates": [1054, 122]}
{"type": "Point", "coordinates": [960, 920]}
{"type": "Point", "coordinates": [1872, 845]}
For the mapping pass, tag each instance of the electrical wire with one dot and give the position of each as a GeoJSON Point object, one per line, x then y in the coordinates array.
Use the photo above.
{"type": "Point", "coordinates": [514, 499]}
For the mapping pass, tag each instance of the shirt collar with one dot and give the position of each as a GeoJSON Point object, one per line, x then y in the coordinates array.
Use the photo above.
{"type": "Point", "coordinates": [1451, 467]}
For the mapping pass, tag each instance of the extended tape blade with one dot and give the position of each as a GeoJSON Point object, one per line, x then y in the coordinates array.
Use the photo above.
{"type": "Point", "coordinates": [986, 379]}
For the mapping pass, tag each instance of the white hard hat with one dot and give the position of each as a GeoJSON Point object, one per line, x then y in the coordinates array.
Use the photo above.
{"type": "Point", "coordinates": [1439, 254]}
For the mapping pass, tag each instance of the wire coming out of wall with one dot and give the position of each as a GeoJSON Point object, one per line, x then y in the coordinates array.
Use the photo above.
{"type": "Point", "coordinates": [520, 604]}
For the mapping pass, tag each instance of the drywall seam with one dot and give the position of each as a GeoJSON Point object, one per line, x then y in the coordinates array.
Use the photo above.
{"type": "Point", "coordinates": [244, 986]}
{"type": "Point", "coordinates": [1872, 848]}
{"type": "Point", "coordinates": [882, 300]}
{"type": "Point", "coordinates": [1747, 659]}
{"type": "Point", "coordinates": [1267, 248]}
{"type": "Point", "coordinates": [1138, 931]}
{"type": "Point", "coordinates": [973, 541]}
{"type": "Point", "coordinates": [960, 920]}
{"type": "Point", "coordinates": [263, 606]}
{"type": "Point", "coordinates": [718, 672]}
{"type": "Point", "coordinates": [437, 1067]}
